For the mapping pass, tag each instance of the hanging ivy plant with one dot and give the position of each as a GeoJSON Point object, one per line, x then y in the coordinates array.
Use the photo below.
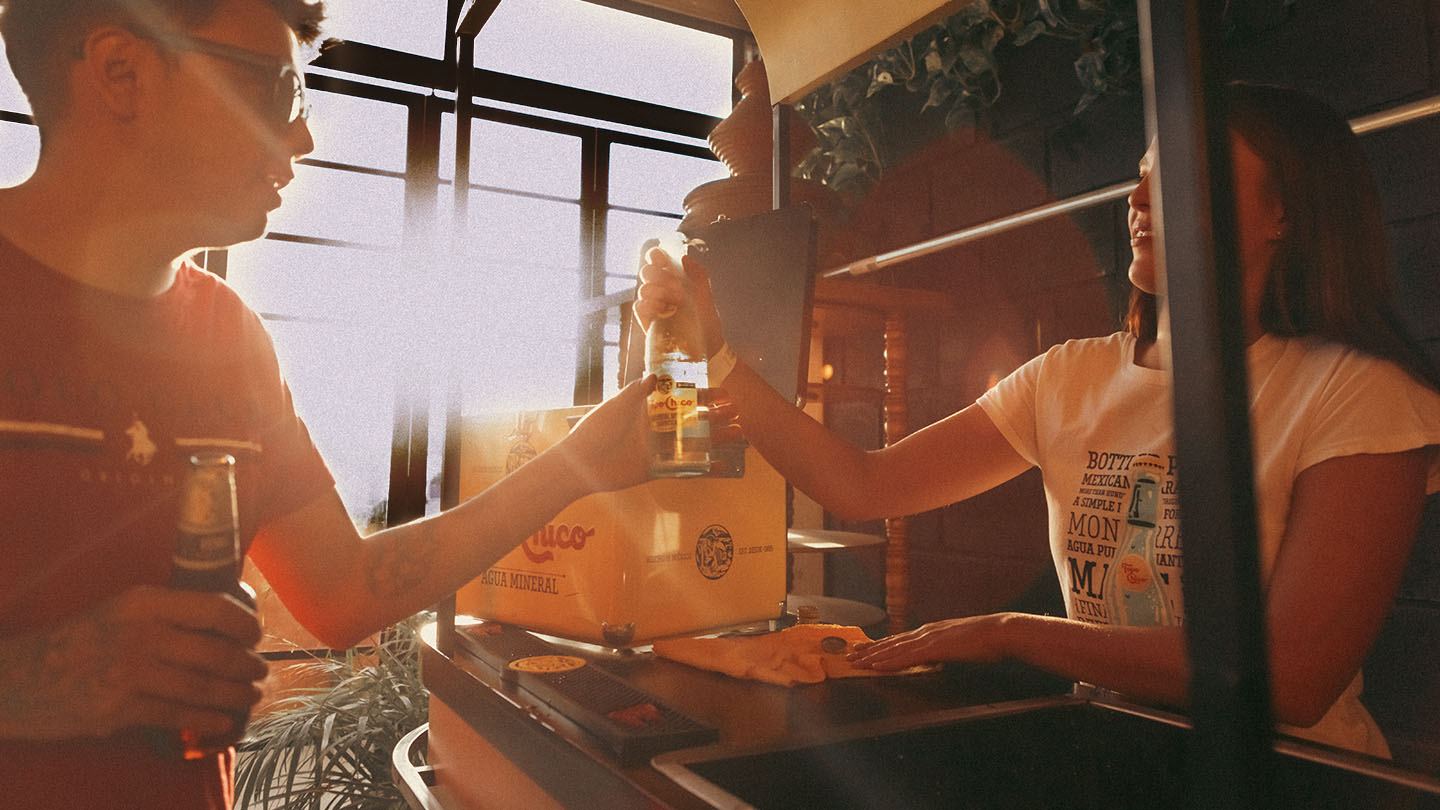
{"type": "Point", "coordinates": [952, 66]}
{"type": "Point", "coordinates": [860, 119]}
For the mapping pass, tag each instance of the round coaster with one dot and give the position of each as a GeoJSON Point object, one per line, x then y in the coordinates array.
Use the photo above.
{"type": "Point", "coordinates": [547, 663]}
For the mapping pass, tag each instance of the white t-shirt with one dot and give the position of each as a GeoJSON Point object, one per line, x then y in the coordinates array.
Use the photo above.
{"type": "Point", "coordinates": [1100, 429]}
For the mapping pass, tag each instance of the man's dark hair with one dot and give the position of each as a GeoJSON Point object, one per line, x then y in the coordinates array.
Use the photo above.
{"type": "Point", "coordinates": [42, 36]}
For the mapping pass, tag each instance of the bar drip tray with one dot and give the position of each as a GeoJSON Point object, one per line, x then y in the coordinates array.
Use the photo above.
{"type": "Point", "coordinates": [629, 723]}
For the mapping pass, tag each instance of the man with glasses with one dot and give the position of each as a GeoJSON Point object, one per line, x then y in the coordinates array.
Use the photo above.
{"type": "Point", "coordinates": [168, 126]}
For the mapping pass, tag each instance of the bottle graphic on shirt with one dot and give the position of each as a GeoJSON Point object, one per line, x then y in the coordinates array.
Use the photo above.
{"type": "Point", "coordinates": [1132, 587]}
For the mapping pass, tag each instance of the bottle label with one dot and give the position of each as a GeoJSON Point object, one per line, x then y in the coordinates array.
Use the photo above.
{"type": "Point", "coordinates": [207, 504]}
{"type": "Point", "coordinates": [1134, 573]}
{"type": "Point", "coordinates": [204, 552]}
{"type": "Point", "coordinates": [672, 404]}
{"type": "Point", "coordinates": [205, 537]}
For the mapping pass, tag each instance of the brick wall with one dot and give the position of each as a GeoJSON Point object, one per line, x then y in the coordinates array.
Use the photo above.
{"type": "Point", "coordinates": [1031, 288]}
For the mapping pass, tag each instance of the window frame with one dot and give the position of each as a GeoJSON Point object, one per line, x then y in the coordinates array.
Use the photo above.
{"type": "Point", "coordinates": [429, 88]}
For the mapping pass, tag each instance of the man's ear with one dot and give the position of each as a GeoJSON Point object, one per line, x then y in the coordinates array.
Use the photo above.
{"type": "Point", "coordinates": [113, 69]}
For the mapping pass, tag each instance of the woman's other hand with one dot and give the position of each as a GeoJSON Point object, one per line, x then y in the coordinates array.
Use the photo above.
{"type": "Point", "coordinates": [972, 638]}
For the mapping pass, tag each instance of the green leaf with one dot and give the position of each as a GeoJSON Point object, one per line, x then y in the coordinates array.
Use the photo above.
{"type": "Point", "coordinates": [848, 175]}
{"type": "Point", "coordinates": [838, 127]}
{"type": "Point", "coordinates": [1030, 31]}
{"type": "Point", "coordinates": [940, 91]}
{"type": "Point", "coordinates": [976, 60]}
{"type": "Point", "coordinates": [961, 115]}
{"type": "Point", "coordinates": [882, 80]}
{"type": "Point", "coordinates": [934, 63]}
{"type": "Point", "coordinates": [1051, 19]}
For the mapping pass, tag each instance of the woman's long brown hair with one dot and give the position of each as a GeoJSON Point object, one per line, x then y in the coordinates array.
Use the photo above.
{"type": "Point", "coordinates": [1331, 274]}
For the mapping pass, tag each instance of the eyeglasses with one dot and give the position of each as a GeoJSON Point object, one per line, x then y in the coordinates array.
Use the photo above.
{"type": "Point", "coordinates": [287, 102]}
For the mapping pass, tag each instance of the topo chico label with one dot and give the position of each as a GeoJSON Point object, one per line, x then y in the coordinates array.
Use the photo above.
{"type": "Point", "coordinates": [672, 403]}
{"type": "Point", "coordinates": [540, 547]}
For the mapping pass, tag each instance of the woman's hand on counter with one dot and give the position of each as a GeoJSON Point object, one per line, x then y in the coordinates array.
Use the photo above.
{"type": "Point", "coordinates": [972, 638]}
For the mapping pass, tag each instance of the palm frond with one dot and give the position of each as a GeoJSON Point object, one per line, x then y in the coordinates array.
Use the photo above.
{"type": "Point", "coordinates": [329, 746]}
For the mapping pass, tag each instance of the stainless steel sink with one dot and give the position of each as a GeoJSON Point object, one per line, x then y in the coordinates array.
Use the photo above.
{"type": "Point", "coordinates": [1066, 751]}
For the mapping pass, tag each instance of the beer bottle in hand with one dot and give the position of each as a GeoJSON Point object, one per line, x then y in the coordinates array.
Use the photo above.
{"type": "Point", "coordinates": [206, 555]}
{"type": "Point", "coordinates": [675, 354]}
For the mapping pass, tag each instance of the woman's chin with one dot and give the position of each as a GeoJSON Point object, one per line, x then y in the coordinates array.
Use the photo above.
{"type": "Point", "coordinates": [1142, 274]}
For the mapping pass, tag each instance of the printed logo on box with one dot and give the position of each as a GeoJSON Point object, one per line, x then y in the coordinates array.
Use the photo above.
{"type": "Point", "coordinates": [540, 546]}
{"type": "Point", "coordinates": [714, 551]}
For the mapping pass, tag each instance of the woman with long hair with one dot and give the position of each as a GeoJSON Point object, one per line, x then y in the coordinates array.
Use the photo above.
{"type": "Point", "coordinates": [1346, 426]}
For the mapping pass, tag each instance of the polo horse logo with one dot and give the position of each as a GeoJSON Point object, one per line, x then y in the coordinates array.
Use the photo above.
{"type": "Point", "coordinates": [141, 448]}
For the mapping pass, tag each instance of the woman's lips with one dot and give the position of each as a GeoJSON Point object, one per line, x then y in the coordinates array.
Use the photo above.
{"type": "Point", "coordinates": [1139, 235]}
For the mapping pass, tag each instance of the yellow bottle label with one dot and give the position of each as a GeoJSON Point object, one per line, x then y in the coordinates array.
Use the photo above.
{"type": "Point", "coordinates": [672, 404]}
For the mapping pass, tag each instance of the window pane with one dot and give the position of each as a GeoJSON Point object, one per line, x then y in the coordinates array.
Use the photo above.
{"type": "Point", "coordinates": [416, 26]}
{"type": "Point", "coordinates": [349, 206]}
{"type": "Point", "coordinates": [658, 181]}
{"type": "Point", "coordinates": [611, 363]}
{"type": "Point", "coordinates": [345, 392]}
{"type": "Point", "coordinates": [507, 228]}
{"type": "Point", "coordinates": [514, 334]}
{"type": "Point", "coordinates": [19, 149]}
{"type": "Point", "coordinates": [11, 99]}
{"type": "Point", "coordinates": [625, 233]}
{"type": "Point", "coordinates": [358, 131]}
{"type": "Point", "coordinates": [512, 157]}
{"type": "Point", "coordinates": [580, 44]}
{"type": "Point", "coordinates": [504, 311]}
{"type": "Point", "coordinates": [317, 282]}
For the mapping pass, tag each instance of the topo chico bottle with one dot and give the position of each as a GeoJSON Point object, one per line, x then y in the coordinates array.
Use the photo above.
{"type": "Point", "coordinates": [675, 354]}
{"type": "Point", "coordinates": [1132, 587]}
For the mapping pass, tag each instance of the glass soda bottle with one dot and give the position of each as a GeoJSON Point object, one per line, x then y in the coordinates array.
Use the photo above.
{"type": "Point", "coordinates": [1132, 587]}
{"type": "Point", "coordinates": [675, 354]}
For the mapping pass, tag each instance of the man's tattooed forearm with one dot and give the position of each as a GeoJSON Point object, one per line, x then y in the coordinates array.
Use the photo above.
{"type": "Point", "coordinates": [402, 563]}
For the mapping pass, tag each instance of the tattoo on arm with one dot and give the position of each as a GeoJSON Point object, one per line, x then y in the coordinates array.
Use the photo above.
{"type": "Point", "coordinates": [401, 564]}
{"type": "Point", "coordinates": [55, 674]}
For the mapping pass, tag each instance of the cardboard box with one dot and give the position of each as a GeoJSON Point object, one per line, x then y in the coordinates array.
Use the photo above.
{"type": "Point", "coordinates": [667, 557]}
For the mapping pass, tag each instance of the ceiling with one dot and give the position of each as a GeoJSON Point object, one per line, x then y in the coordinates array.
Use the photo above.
{"type": "Point", "coordinates": [804, 42]}
{"type": "Point", "coordinates": [721, 12]}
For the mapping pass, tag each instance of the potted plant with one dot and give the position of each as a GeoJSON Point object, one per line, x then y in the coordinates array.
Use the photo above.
{"type": "Point", "coordinates": [330, 746]}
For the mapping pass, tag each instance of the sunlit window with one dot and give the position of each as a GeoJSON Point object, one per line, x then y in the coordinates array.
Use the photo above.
{"type": "Point", "coordinates": [416, 26]}
{"type": "Point", "coordinates": [19, 149]}
{"type": "Point", "coordinates": [517, 158]}
{"type": "Point", "coordinates": [327, 281]}
{"type": "Point", "coordinates": [580, 44]}
{"type": "Point", "coordinates": [19, 142]}
{"type": "Point", "coordinates": [362, 294]}
{"type": "Point", "coordinates": [11, 97]}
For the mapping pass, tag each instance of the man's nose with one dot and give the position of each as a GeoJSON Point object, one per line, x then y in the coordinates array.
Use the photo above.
{"type": "Point", "coordinates": [301, 140]}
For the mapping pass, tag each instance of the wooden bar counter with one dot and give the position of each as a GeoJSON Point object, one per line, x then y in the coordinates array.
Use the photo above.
{"type": "Point", "coordinates": [493, 746]}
